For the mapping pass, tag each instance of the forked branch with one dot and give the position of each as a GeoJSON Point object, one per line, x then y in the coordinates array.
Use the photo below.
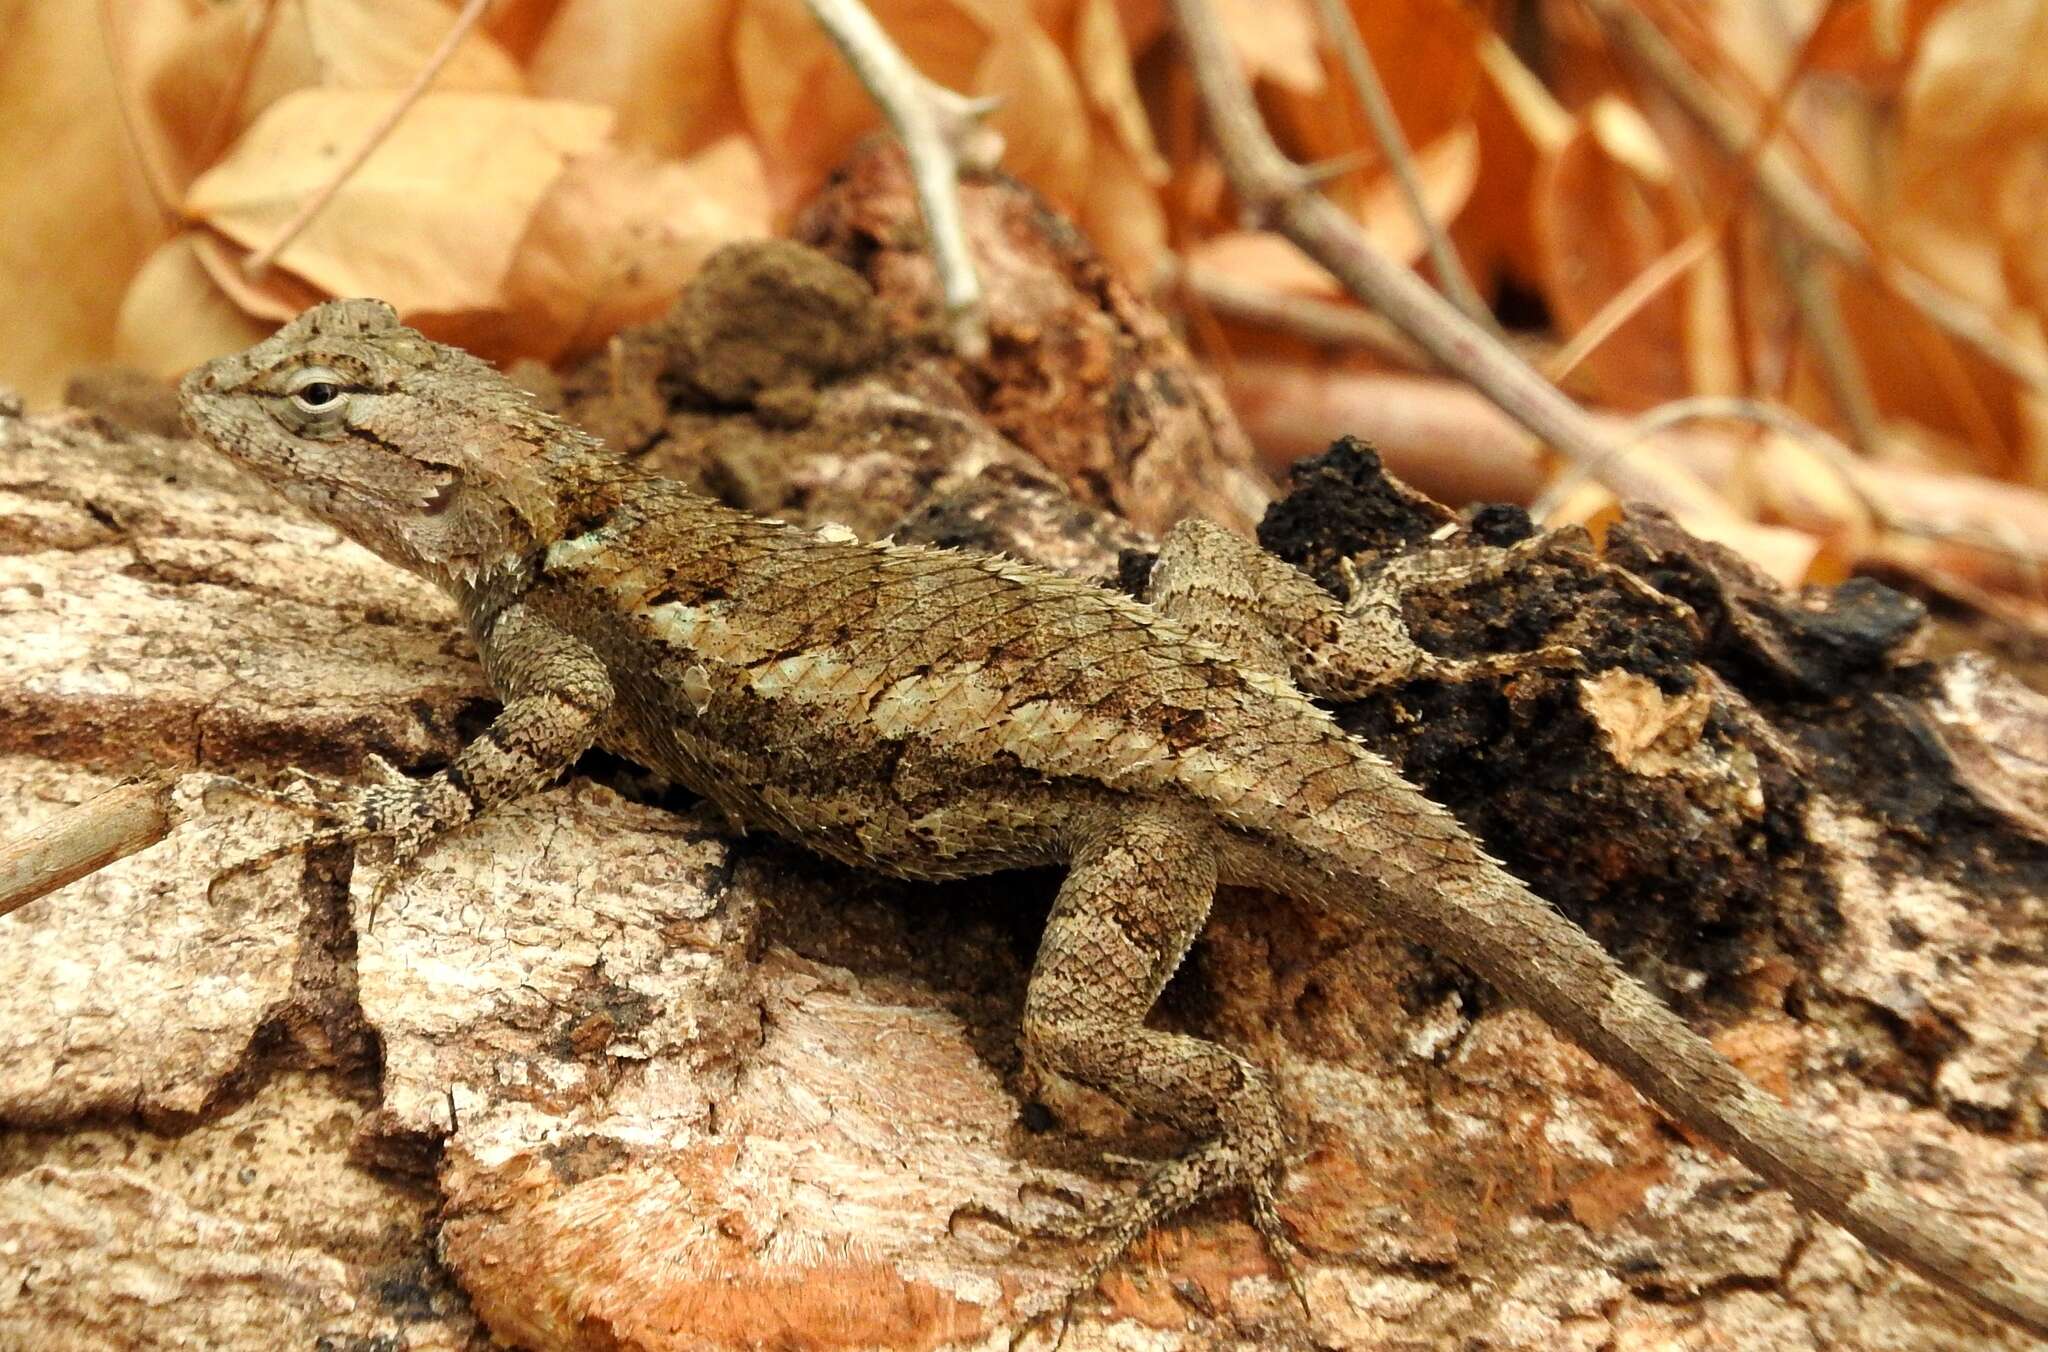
{"type": "Point", "coordinates": [941, 132]}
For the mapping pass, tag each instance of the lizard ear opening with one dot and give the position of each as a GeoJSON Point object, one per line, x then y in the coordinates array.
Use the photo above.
{"type": "Point", "coordinates": [442, 498]}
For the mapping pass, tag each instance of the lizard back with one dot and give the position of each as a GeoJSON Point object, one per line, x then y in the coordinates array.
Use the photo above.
{"type": "Point", "coordinates": [927, 711]}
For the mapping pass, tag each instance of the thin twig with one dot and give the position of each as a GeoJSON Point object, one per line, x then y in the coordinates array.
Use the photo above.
{"type": "Point", "coordinates": [154, 174]}
{"type": "Point", "coordinates": [229, 103]}
{"type": "Point", "coordinates": [1271, 188]}
{"type": "Point", "coordinates": [1318, 321]}
{"type": "Point", "coordinates": [131, 816]}
{"type": "Point", "coordinates": [1841, 368]}
{"type": "Point", "coordinates": [1342, 27]}
{"type": "Point", "coordinates": [259, 262]}
{"type": "Point", "coordinates": [1622, 306]}
{"type": "Point", "coordinates": [940, 131]}
{"type": "Point", "coordinates": [1802, 205]}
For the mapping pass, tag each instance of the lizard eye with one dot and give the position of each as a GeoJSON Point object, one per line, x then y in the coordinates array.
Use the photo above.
{"type": "Point", "coordinates": [317, 390]}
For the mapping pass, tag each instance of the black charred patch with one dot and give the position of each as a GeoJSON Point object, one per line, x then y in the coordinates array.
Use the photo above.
{"type": "Point", "coordinates": [1343, 503]}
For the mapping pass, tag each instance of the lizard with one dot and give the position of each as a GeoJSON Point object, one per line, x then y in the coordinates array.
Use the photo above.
{"type": "Point", "coordinates": [933, 714]}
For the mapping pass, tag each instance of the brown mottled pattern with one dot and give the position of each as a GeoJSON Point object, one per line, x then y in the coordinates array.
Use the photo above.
{"type": "Point", "coordinates": [935, 714]}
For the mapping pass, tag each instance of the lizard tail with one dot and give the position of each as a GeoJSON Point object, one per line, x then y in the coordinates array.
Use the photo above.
{"type": "Point", "coordinates": [1453, 896]}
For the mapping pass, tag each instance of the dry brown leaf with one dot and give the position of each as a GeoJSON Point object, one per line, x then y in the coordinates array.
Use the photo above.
{"type": "Point", "coordinates": [1263, 258]}
{"type": "Point", "coordinates": [174, 316]}
{"type": "Point", "coordinates": [1974, 104]}
{"type": "Point", "coordinates": [1276, 40]}
{"type": "Point", "coordinates": [664, 67]}
{"type": "Point", "coordinates": [519, 25]}
{"type": "Point", "coordinates": [1519, 126]}
{"type": "Point", "coordinates": [1042, 120]}
{"type": "Point", "coordinates": [1121, 213]}
{"type": "Point", "coordinates": [1921, 375]}
{"type": "Point", "coordinates": [2022, 217]}
{"type": "Point", "coordinates": [618, 234]}
{"type": "Point", "coordinates": [1426, 53]}
{"type": "Point", "coordinates": [1102, 62]}
{"type": "Point", "coordinates": [78, 218]}
{"type": "Point", "coordinates": [1447, 168]}
{"type": "Point", "coordinates": [1606, 209]}
{"type": "Point", "coordinates": [1144, 21]}
{"type": "Point", "coordinates": [1872, 41]}
{"type": "Point", "coordinates": [275, 296]}
{"type": "Point", "coordinates": [462, 172]}
{"type": "Point", "coordinates": [333, 44]}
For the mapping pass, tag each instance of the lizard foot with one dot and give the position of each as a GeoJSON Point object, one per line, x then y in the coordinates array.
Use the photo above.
{"type": "Point", "coordinates": [353, 813]}
{"type": "Point", "coordinates": [1218, 1166]}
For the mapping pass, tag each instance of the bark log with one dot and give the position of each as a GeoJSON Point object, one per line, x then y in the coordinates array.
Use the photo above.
{"type": "Point", "coordinates": [598, 1074]}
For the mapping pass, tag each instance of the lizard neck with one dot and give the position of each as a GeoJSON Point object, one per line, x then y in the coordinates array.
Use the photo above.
{"type": "Point", "coordinates": [528, 493]}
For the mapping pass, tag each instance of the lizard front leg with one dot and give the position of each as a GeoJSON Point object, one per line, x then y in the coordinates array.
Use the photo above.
{"type": "Point", "coordinates": [1140, 884]}
{"type": "Point", "coordinates": [1271, 616]}
{"type": "Point", "coordinates": [555, 691]}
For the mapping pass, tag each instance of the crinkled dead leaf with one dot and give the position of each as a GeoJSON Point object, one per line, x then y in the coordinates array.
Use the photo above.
{"type": "Point", "coordinates": [664, 66]}
{"type": "Point", "coordinates": [1102, 63]}
{"type": "Point", "coordinates": [1519, 125]}
{"type": "Point", "coordinates": [618, 234]}
{"type": "Point", "coordinates": [461, 172]}
{"type": "Point", "coordinates": [1647, 731]}
{"type": "Point", "coordinates": [1606, 208]}
{"type": "Point", "coordinates": [78, 218]}
{"type": "Point", "coordinates": [1042, 119]}
{"type": "Point", "coordinates": [332, 44]}
{"type": "Point", "coordinates": [1121, 213]}
{"type": "Point", "coordinates": [1275, 40]}
{"type": "Point", "coordinates": [174, 316]}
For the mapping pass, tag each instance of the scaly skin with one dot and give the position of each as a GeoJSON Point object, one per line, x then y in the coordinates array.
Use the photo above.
{"type": "Point", "coordinates": [934, 714]}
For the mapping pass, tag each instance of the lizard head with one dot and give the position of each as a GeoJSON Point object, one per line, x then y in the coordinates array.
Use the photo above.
{"type": "Point", "coordinates": [418, 450]}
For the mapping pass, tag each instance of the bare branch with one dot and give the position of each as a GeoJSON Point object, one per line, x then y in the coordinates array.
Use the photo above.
{"type": "Point", "coordinates": [1318, 321]}
{"type": "Point", "coordinates": [941, 131]}
{"type": "Point", "coordinates": [1274, 190]}
{"type": "Point", "coordinates": [131, 816]}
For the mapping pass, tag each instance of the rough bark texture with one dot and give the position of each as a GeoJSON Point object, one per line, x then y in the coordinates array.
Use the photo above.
{"type": "Point", "coordinates": [597, 1075]}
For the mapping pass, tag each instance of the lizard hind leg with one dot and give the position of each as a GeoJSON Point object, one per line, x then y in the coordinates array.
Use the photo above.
{"type": "Point", "coordinates": [1138, 890]}
{"type": "Point", "coordinates": [1270, 616]}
